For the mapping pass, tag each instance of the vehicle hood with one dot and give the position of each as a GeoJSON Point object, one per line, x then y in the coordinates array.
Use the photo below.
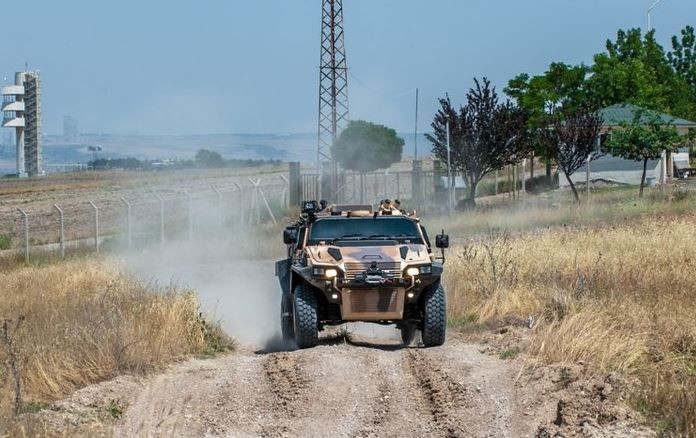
{"type": "Point", "coordinates": [405, 254]}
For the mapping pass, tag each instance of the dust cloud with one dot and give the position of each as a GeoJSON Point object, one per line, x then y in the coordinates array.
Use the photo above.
{"type": "Point", "coordinates": [234, 280]}
{"type": "Point", "coordinates": [236, 288]}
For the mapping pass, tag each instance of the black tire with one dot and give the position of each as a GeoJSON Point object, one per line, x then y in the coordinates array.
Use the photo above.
{"type": "Point", "coordinates": [305, 317]}
{"type": "Point", "coordinates": [434, 316]}
{"type": "Point", "coordinates": [408, 333]}
{"type": "Point", "coordinates": [286, 318]}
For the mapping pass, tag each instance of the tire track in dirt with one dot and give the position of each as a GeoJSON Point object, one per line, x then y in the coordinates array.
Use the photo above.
{"type": "Point", "coordinates": [381, 407]}
{"type": "Point", "coordinates": [286, 379]}
{"type": "Point", "coordinates": [439, 393]}
{"type": "Point", "coordinates": [368, 389]}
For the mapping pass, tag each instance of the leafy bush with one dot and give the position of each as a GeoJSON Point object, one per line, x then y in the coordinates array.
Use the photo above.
{"type": "Point", "coordinates": [5, 241]}
{"type": "Point", "coordinates": [540, 184]}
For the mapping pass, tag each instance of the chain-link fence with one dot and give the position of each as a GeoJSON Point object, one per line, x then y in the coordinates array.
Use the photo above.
{"type": "Point", "coordinates": [138, 219]}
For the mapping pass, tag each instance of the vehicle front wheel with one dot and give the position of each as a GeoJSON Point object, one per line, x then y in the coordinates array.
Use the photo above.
{"type": "Point", "coordinates": [305, 317]}
{"type": "Point", "coordinates": [434, 316]}
{"type": "Point", "coordinates": [286, 318]}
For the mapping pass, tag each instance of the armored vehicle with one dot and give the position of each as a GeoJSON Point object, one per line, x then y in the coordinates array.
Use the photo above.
{"type": "Point", "coordinates": [350, 263]}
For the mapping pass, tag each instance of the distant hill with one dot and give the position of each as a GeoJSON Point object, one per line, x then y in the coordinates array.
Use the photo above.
{"type": "Point", "coordinates": [286, 147]}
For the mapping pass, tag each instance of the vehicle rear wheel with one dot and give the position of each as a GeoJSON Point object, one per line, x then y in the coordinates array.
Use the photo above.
{"type": "Point", "coordinates": [305, 317]}
{"type": "Point", "coordinates": [408, 333]}
{"type": "Point", "coordinates": [286, 318]}
{"type": "Point", "coordinates": [434, 316]}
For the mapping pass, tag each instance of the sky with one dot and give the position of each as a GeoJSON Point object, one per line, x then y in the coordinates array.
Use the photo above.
{"type": "Point", "coordinates": [232, 66]}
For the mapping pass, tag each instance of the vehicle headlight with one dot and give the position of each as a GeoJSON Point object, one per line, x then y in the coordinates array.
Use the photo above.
{"type": "Point", "coordinates": [412, 272]}
{"type": "Point", "coordinates": [419, 270]}
{"type": "Point", "coordinates": [330, 273]}
{"type": "Point", "coordinates": [324, 272]}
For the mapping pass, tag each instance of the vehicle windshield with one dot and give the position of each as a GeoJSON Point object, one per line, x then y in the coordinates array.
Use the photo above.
{"type": "Point", "coordinates": [393, 228]}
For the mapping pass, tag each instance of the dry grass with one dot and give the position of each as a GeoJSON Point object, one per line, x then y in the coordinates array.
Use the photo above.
{"type": "Point", "coordinates": [85, 322]}
{"type": "Point", "coordinates": [619, 298]}
{"type": "Point", "coordinates": [609, 206]}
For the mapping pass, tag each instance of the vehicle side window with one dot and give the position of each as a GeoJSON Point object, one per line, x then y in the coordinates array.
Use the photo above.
{"type": "Point", "coordinates": [425, 235]}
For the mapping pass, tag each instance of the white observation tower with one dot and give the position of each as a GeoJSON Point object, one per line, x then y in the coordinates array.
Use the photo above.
{"type": "Point", "coordinates": [21, 107]}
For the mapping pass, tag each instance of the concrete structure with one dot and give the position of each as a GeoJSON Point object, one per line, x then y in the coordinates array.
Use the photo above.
{"type": "Point", "coordinates": [619, 170]}
{"type": "Point", "coordinates": [21, 107]}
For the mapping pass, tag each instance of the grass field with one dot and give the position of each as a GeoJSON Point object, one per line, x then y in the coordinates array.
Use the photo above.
{"type": "Point", "coordinates": [609, 285]}
{"type": "Point", "coordinates": [557, 209]}
{"type": "Point", "coordinates": [612, 287]}
{"type": "Point", "coordinates": [69, 324]}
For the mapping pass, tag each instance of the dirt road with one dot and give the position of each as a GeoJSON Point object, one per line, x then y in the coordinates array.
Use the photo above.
{"type": "Point", "coordinates": [369, 387]}
{"type": "Point", "coordinates": [372, 386]}
{"type": "Point", "coordinates": [359, 390]}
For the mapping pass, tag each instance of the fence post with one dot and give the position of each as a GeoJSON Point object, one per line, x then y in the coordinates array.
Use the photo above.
{"type": "Point", "coordinates": [587, 178]}
{"type": "Point", "coordinates": [326, 181]}
{"type": "Point", "coordinates": [241, 203]}
{"type": "Point", "coordinates": [62, 230]}
{"type": "Point", "coordinates": [364, 188]}
{"type": "Point", "coordinates": [128, 222]}
{"type": "Point", "coordinates": [398, 185]}
{"type": "Point", "coordinates": [295, 184]}
{"type": "Point", "coordinates": [524, 178]}
{"type": "Point", "coordinates": [258, 191]}
{"type": "Point", "coordinates": [218, 209]}
{"type": "Point", "coordinates": [26, 234]}
{"type": "Point", "coordinates": [161, 205]}
{"type": "Point", "coordinates": [190, 215]}
{"type": "Point", "coordinates": [96, 226]}
{"type": "Point", "coordinates": [496, 181]}
{"type": "Point", "coordinates": [254, 205]}
{"type": "Point", "coordinates": [284, 196]}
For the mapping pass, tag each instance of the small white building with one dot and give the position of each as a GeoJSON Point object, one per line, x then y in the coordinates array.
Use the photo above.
{"type": "Point", "coordinates": [622, 171]}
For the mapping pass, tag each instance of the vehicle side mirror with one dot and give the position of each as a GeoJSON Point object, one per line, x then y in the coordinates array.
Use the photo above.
{"type": "Point", "coordinates": [289, 236]}
{"type": "Point", "coordinates": [442, 241]}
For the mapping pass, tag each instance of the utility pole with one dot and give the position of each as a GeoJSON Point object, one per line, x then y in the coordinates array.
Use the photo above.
{"type": "Point", "coordinates": [333, 86]}
{"type": "Point", "coordinates": [449, 171]}
{"type": "Point", "coordinates": [415, 133]}
{"type": "Point", "coordinates": [587, 178]}
{"type": "Point", "coordinates": [657, 2]}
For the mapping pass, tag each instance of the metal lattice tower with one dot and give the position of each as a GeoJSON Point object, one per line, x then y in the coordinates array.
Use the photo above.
{"type": "Point", "coordinates": [33, 138]}
{"type": "Point", "coordinates": [333, 82]}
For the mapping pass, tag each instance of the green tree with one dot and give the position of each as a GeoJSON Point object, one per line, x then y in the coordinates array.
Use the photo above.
{"type": "Point", "coordinates": [541, 95]}
{"type": "Point", "coordinates": [366, 147]}
{"type": "Point", "coordinates": [485, 134]}
{"type": "Point", "coordinates": [206, 158]}
{"type": "Point", "coordinates": [683, 55]}
{"type": "Point", "coordinates": [644, 139]}
{"type": "Point", "coordinates": [636, 69]}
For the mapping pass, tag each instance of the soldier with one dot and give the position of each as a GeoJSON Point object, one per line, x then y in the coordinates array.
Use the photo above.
{"type": "Point", "coordinates": [322, 205]}
{"type": "Point", "coordinates": [385, 206]}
